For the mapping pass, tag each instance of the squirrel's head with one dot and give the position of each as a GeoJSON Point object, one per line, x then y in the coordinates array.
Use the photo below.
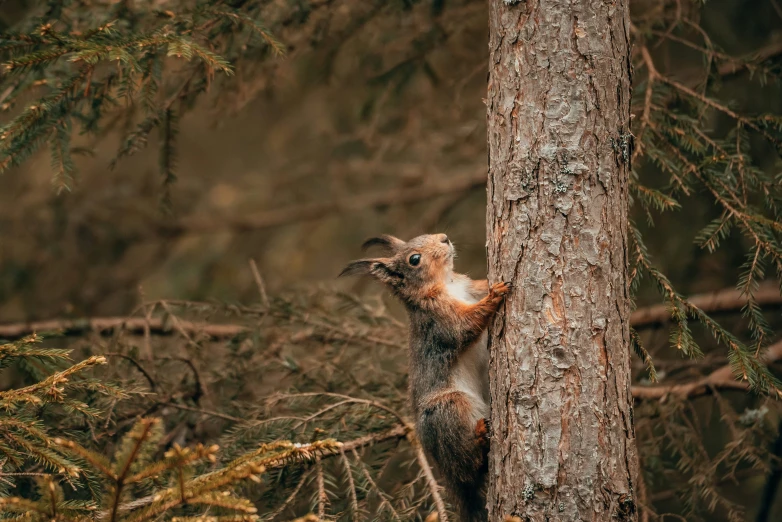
{"type": "Point", "coordinates": [411, 267]}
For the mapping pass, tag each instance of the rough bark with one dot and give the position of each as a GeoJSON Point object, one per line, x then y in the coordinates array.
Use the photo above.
{"type": "Point", "coordinates": [563, 444]}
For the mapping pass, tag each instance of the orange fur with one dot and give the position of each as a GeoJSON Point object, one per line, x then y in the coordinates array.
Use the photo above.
{"type": "Point", "coordinates": [482, 433]}
{"type": "Point", "coordinates": [480, 287]}
{"type": "Point", "coordinates": [449, 314]}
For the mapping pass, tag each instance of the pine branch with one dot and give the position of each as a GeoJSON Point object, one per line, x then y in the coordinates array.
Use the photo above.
{"type": "Point", "coordinates": [434, 488]}
{"type": "Point", "coordinates": [131, 325]}
{"type": "Point", "coordinates": [288, 453]}
{"type": "Point", "coordinates": [728, 300]}
{"type": "Point", "coordinates": [720, 379]}
{"type": "Point", "coordinates": [50, 386]}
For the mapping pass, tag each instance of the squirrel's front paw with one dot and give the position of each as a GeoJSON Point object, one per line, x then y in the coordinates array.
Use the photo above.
{"type": "Point", "coordinates": [500, 289]}
{"type": "Point", "coordinates": [483, 432]}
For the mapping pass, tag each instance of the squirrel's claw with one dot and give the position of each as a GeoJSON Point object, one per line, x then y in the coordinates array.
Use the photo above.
{"type": "Point", "coordinates": [500, 289]}
{"type": "Point", "coordinates": [483, 432]}
{"type": "Point", "coordinates": [487, 424]}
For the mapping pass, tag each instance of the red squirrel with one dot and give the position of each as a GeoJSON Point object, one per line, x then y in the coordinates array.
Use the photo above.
{"type": "Point", "coordinates": [449, 377]}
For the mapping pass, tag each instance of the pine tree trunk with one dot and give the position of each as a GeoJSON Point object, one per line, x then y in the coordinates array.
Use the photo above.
{"type": "Point", "coordinates": [563, 446]}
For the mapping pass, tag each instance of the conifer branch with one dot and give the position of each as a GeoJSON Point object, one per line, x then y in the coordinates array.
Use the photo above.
{"type": "Point", "coordinates": [722, 378]}
{"type": "Point", "coordinates": [275, 456]}
{"type": "Point", "coordinates": [434, 488]}
{"type": "Point", "coordinates": [351, 484]}
{"type": "Point", "coordinates": [727, 300]}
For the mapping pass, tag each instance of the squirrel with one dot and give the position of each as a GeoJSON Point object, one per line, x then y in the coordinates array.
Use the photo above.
{"type": "Point", "coordinates": [449, 378]}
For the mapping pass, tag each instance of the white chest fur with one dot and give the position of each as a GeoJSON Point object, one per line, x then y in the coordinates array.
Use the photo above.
{"type": "Point", "coordinates": [470, 374]}
{"type": "Point", "coordinates": [458, 289]}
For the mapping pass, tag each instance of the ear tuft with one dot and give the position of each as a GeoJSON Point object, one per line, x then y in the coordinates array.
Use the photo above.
{"type": "Point", "coordinates": [360, 267]}
{"type": "Point", "coordinates": [386, 241]}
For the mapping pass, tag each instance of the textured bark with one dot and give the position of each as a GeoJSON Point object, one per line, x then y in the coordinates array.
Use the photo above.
{"type": "Point", "coordinates": [563, 444]}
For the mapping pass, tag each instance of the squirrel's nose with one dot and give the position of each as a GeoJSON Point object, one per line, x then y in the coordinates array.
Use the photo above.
{"type": "Point", "coordinates": [444, 239]}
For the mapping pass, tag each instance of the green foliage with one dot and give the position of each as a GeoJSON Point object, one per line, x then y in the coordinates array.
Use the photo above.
{"type": "Point", "coordinates": [173, 481]}
{"type": "Point", "coordinates": [678, 142]}
{"type": "Point", "coordinates": [674, 441]}
{"type": "Point", "coordinates": [26, 439]}
{"type": "Point", "coordinates": [144, 473]}
{"type": "Point", "coordinates": [327, 367]}
{"type": "Point", "coordinates": [124, 65]}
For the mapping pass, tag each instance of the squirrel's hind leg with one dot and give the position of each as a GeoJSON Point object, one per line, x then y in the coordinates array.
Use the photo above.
{"type": "Point", "coordinates": [458, 445]}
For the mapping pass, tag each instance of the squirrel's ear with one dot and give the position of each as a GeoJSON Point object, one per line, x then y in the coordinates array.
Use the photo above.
{"type": "Point", "coordinates": [386, 241]}
{"type": "Point", "coordinates": [378, 268]}
{"type": "Point", "coordinates": [360, 267]}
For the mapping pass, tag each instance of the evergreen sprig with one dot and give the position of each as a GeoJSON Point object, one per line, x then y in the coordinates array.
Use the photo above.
{"type": "Point", "coordinates": [125, 64]}
{"type": "Point", "coordinates": [25, 435]}
{"type": "Point", "coordinates": [677, 141]}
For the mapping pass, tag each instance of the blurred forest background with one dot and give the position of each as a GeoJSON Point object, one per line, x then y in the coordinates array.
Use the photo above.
{"type": "Point", "coordinates": [371, 122]}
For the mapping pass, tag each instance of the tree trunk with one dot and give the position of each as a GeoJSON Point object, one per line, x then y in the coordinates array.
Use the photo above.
{"type": "Point", "coordinates": [563, 445]}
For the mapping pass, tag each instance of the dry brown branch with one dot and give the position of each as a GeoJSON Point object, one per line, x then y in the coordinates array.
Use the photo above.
{"type": "Point", "coordinates": [395, 433]}
{"type": "Point", "coordinates": [652, 75]}
{"type": "Point", "coordinates": [139, 367]}
{"type": "Point", "coordinates": [259, 283]}
{"type": "Point", "coordinates": [345, 400]}
{"type": "Point", "coordinates": [714, 105]}
{"type": "Point", "coordinates": [107, 325]}
{"type": "Point", "coordinates": [177, 325]}
{"type": "Point", "coordinates": [384, 500]}
{"type": "Point", "coordinates": [735, 66]}
{"type": "Point", "coordinates": [721, 301]}
{"type": "Point", "coordinates": [310, 211]}
{"type": "Point", "coordinates": [434, 488]}
{"type": "Point", "coordinates": [721, 378]}
{"type": "Point", "coordinates": [202, 411]}
{"type": "Point", "coordinates": [322, 498]}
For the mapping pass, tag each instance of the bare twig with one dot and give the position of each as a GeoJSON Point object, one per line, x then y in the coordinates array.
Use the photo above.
{"type": "Point", "coordinates": [107, 325]}
{"type": "Point", "coordinates": [652, 76]}
{"type": "Point", "coordinates": [715, 105]}
{"type": "Point", "coordinates": [203, 411]}
{"type": "Point", "coordinates": [139, 367]}
{"type": "Point", "coordinates": [347, 399]}
{"type": "Point", "coordinates": [259, 283]}
{"type": "Point", "coordinates": [177, 325]}
{"type": "Point", "coordinates": [434, 488]}
{"type": "Point", "coordinates": [322, 499]}
{"type": "Point", "coordinates": [384, 501]}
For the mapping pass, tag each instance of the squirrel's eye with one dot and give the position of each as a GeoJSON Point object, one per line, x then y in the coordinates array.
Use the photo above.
{"type": "Point", "coordinates": [415, 259]}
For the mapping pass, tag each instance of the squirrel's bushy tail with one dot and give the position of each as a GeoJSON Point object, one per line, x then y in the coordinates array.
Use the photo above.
{"type": "Point", "coordinates": [470, 503]}
{"type": "Point", "coordinates": [450, 439]}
